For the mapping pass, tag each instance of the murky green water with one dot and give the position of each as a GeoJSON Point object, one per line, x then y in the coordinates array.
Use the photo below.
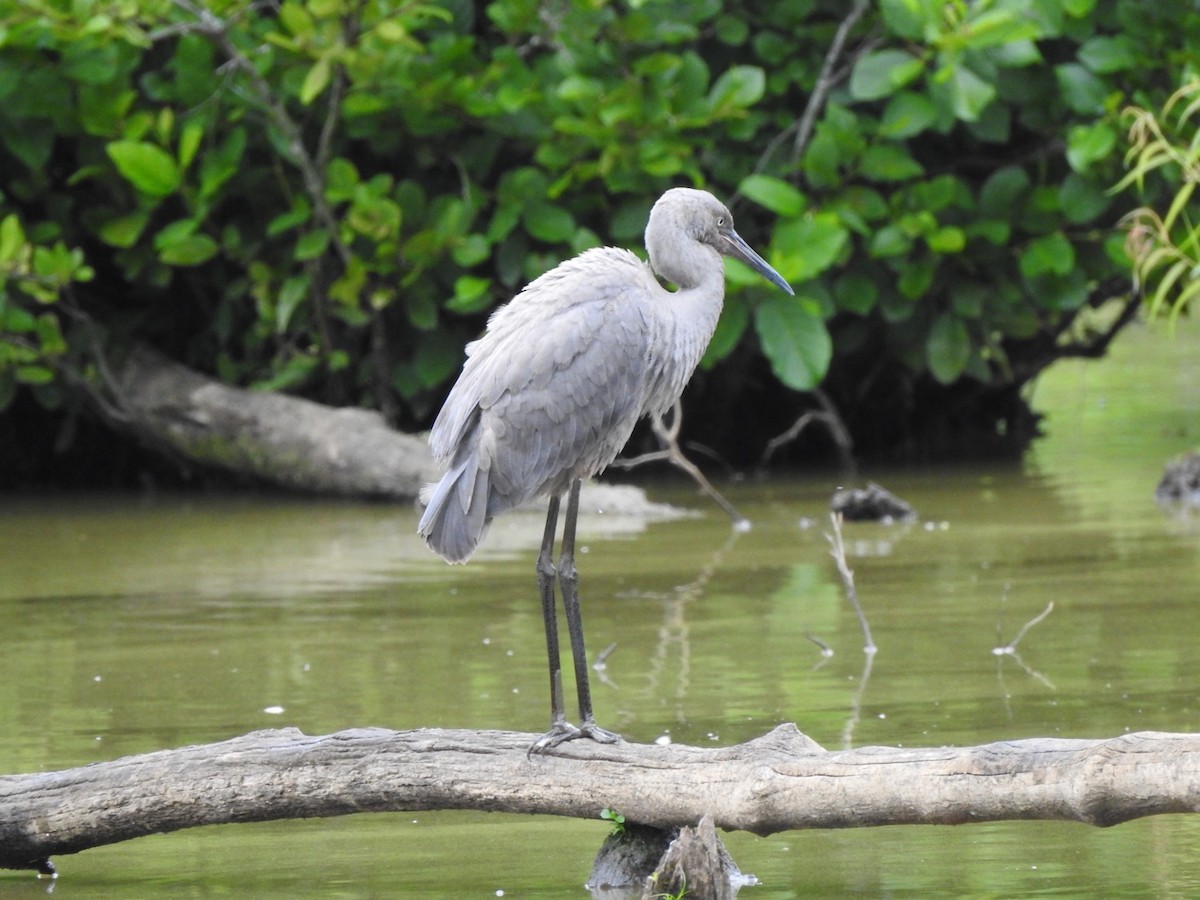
{"type": "Point", "coordinates": [135, 623]}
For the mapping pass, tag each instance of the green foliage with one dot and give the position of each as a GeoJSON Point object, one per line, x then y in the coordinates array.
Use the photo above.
{"type": "Point", "coordinates": [617, 820]}
{"type": "Point", "coordinates": [1165, 247]}
{"type": "Point", "coordinates": [329, 197]}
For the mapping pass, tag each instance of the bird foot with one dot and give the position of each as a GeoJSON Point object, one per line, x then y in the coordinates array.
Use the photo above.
{"type": "Point", "coordinates": [562, 731]}
{"type": "Point", "coordinates": [592, 731]}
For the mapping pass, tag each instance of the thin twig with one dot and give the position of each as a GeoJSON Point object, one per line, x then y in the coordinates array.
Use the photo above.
{"type": "Point", "coordinates": [826, 650]}
{"type": "Point", "coordinates": [1010, 648]}
{"type": "Point", "coordinates": [804, 124]}
{"type": "Point", "coordinates": [668, 437]}
{"type": "Point", "coordinates": [856, 701]}
{"type": "Point", "coordinates": [600, 661]}
{"type": "Point", "coordinates": [838, 552]}
{"type": "Point", "coordinates": [825, 81]}
{"type": "Point", "coordinates": [829, 416]}
{"type": "Point", "coordinates": [600, 665]}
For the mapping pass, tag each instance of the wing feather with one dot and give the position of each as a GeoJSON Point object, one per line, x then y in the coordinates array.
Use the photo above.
{"type": "Point", "coordinates": [550, 393]}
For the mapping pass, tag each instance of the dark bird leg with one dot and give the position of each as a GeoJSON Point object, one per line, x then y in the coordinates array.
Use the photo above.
{"type": "Point", "coordinates": [560, 729]}
{"type": "Point", "coordinates": [568, 579]}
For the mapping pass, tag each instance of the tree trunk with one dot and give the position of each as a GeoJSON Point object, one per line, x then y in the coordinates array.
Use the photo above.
{"type": "Point", "coordinates": [270, 437]}
{"type": "Point", "coordinates": [782, 780]}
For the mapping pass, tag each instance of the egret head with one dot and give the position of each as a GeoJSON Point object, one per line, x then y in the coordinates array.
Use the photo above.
{"type": "Point", "coordinates": [683, 214]}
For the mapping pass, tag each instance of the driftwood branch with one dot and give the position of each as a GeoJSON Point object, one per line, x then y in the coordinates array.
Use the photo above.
{"type": "Point", "coordinates": [275, 438]}
{"type": "Point", "coordinates": [780, 781]}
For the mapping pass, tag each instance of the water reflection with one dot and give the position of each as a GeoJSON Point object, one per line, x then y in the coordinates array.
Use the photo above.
{"type": "Point", "coordinates": [134, 623]}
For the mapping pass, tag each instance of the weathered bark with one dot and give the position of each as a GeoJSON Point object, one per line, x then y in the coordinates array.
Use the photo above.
{"type": "Point", "coordinates": [274, 438]}
{"type": "Point", "coordinates": [696, 863]}
{"type": "Point", "coordinates": [779, 781]}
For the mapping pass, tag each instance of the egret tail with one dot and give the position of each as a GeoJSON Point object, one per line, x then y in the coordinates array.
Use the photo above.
{"type": "Point", "coordinates": [456, 518]}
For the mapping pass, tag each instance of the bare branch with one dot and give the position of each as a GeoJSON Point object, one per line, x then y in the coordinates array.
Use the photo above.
{"type": "Point", "coordinates": [1011, 647]}
{"type": "Point", "coordinates": [827, 415]}
{"type": "Point", "coordinates": [803, 126]}
{"type": "Point", "coordinates": [780, 781]}
{"type": "Point", "coordinates": [838, 552]}
{"type": "Point", "coordinates": [825, 81]}
{"type": "Point", "coordinates": [672, 453]}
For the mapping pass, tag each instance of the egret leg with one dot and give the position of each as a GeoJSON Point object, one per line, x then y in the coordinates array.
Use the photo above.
{"type": "Point", "coordinates": [560, 729]}
{"type": "Point", "coordinates": [568, 579]}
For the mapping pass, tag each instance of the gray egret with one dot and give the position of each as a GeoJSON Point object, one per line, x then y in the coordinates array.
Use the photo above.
{"type": "Point", "coordinates": [552, 390]}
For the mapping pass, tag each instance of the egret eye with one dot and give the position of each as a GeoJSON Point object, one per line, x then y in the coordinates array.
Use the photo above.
{"type": "Point", "coordinates": [720, 221]}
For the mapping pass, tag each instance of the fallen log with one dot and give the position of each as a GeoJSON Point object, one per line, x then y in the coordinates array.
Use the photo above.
{"type": "Point", "coordinates": [270, 437]}
{"type": "Point", "coordinates": [780, 781]}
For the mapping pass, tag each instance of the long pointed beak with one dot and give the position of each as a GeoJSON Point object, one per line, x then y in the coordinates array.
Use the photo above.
{"type": "Point", "coordinates": [739, 249]}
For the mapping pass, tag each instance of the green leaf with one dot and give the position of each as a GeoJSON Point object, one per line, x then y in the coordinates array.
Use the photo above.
{"type": "Point", "coordinates": [1003, 191]}
{"type": "Point", "coordinates": [946, 239]}
{"type": "Point", "coordinates": [889, 241]}
{"type": "Point", "coordinates": [997, 27]}
{"type": "Point", "coordinates": [192, 250]}
{"type": "Point", "coordinates": [12, 239]}
{"type": "Point", "coordinates": [548, 222]}
{"type": "Point", "coordinates": [795, 340]}
{"type": "Point", "coordinates": [806, 247]}
{"type": "Point", "coordinates": [124, 231]}
{"type": "Point", "coordinates": [773, 193]}
{"type": "Point", "coordinates": [31, 143]}
{"type": "Point", "coordinates": [1087, 144]}
{"type": "Point", "coordinates": [222, 164]}
{"type": "Point", "coordinates": [341, 179]}
{"type": "Point", "coordinates": [311, 244]}
{"type": "Point", "coordinates": [473, 250]}
{"type": "Point", "coordinates": [909, 18]}
{"type": "Point", "coordinates": [34, 374]}
{"type": "Point", "coordinates": [1104, 54]}
{"type": "Point", "coordinates": [147, 167]}
{"type": "Point", "coordinates": [290, 374]}
{"type": "Point", "coordinates": [190, 137]}
{"type": "Point", "coordinates": [291, 295]}
{"type": "Point", "coordinates": [889, 162]}
{"type": "Point", "coordinates": [471, 295]}
{"type": "Point", "coordinates": [1082, 91]}
{"type": "Point", "coordinates": [969, 93]}
{"type": "Point", "coordinates": [907, 114]}
{"type": "Point", "coordinates": [917, 277]}
{"type": "Point", "coordinates": [1082, 200]}
{"type": "Point", "coordinates": [948, 348]}
{"type": "Point", "coordinates": [90, 62]}
{"type": "Point", "coordinates": [1060, 293]}
{"type": "Point", "coordinates": [856, 293]}
{"type": "Point", "coordinates": [1051, 254]}
{"type": "Point", "coordinates": [737, 88]}
{"type": "Point", "coordinates": [316, 80]}
{"type": "Point", "coordinates": [881, 73]}
{"type": "Point", "coordinates": [438, 356]}
{"type": "Point", "coordinates": [17, 320]}
{"type": "Point", "coordinates": [297, 215]}
{"type": "Point", "coordinates": [296, 18]}
{"type": "Point", "coordinates": [969, 298]}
